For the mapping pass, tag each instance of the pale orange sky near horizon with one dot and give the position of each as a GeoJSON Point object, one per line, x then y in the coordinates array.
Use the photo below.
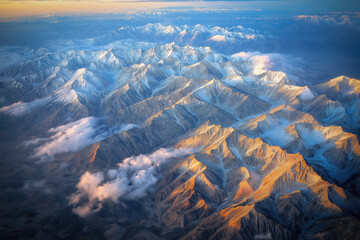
{"type": "Point", "coordinates": [26, 8]}
{"type": "Point", "coordinates": [17, 9]}
{"type": "Point", "coordinates": [35, 8]}
{"type": "Point", "coordinates": [10, 10]}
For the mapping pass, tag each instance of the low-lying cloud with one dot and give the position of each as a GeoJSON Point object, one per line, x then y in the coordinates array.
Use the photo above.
{"type": "Point", "coordinates": [274, 62]}
{"type": "Point", "coordinates": [133, 179]}
{"type": "Point", "coordinates": [20, 108]}
{"type": "Point", "coordinates": [74, 136]}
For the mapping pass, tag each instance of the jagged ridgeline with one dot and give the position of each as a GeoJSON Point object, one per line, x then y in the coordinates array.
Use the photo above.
{"type": "Point", "coordinates": [176, 142]}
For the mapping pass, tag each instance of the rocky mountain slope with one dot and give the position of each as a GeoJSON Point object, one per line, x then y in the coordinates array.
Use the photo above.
{"type": "Point", "coordinates": [175, 142]}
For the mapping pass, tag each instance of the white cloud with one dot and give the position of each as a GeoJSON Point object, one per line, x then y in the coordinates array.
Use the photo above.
{"type": "Point", "coordinates": [74, 136]}
{"type": "Point", "coordinates": [20, 108]}
{"type": "Point", "coordinates": [261, 63]}
{"type": "Point", "coordinates": [274, 61]}
{"type": "Point", "coordinates": [133, 179]}
{"type": "Point", "coordinates": [218, 38]}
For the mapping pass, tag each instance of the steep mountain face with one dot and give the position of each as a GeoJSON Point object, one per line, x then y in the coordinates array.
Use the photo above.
{"type": "Point", "coordinates": [176, 142]}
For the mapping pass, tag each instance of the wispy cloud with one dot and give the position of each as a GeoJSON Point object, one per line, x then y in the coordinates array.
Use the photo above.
{"type": "Point", "coordinates": [74, 136]}
{"type": "Point", "coordinates": [20, 108]}
{"type": "Point", "coordinates": [272, 61]}
{"type": "Point", "coordinates": [133, 179]}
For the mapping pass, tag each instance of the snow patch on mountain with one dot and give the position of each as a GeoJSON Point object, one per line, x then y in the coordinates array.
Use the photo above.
{"type": "Point", "coordinates": [278, 135]}
{"type": "Point", "coordinates": [310, 137]}
{"type": "Point", "coordinates": [306, 94]}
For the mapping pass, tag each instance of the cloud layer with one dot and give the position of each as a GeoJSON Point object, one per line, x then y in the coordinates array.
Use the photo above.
{"type": "Point", "coordinates": [272, 61]}
{"type": "Point", "coordinates": [133, 179]}
{"type": "Point", "coordinates": [74, 136]}
{"type": "Point", "coordinates": [21, 108]}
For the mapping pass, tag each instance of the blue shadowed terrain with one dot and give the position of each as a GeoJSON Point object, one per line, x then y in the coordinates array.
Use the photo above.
{"type": "Point", "coordinates": [327, 43]}
{"type": "Point", "coordinates": [181, 123]}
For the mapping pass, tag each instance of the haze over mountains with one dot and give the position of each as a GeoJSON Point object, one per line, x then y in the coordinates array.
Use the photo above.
{"type": "Point", "coordinates": [164, 131]}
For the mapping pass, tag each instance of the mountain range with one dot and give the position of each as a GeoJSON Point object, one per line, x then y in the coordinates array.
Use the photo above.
{"type": "Point", "coordinates": [176, 141]}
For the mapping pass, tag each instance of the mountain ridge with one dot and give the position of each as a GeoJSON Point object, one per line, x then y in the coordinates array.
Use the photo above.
{"type": "Point", "coordinates": [246, 151]}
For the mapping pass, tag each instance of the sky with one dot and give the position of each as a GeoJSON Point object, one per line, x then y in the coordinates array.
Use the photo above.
{"type": "Point", "coordinates": [24, 8]}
